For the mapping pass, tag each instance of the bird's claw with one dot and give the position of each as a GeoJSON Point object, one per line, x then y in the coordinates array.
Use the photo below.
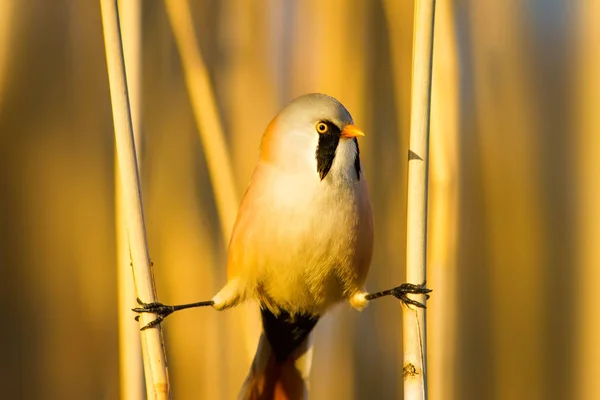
{"type": "Point", "coordinates": [162, 311]}
{"type": "Point", "coordinates": [403, 290]}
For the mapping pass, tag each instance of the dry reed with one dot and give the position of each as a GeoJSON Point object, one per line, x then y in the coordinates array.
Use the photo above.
{"type": "Point", "coordinates": [415, 339]}
{"type": "Point", "coordinates": [206, 115]}
{"type": "Point", "coordinates": [587, 348]}
{"type": "Point", "coordinates": [444, 207]}
{"type": "Point", "coordinates": [130, 354]}
{"type": "Point", "coordinates": [155, 365]}
{"type": "Point", "coordinates": [212, 136]}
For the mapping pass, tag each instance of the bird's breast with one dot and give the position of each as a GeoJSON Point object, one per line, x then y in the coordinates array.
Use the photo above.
{"type": "Point", "coordinates": [301, 243]}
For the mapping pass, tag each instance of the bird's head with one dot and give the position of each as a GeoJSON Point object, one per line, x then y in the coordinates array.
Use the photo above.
{"type": "Point", "coordinates": [314, 134]}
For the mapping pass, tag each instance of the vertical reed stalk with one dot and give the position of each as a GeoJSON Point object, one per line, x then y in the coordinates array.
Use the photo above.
{"type": "Point", "coordinates": [211, 133]}
{"type": "Point", "coordinates": [155, 365]}
{"type": "Point", "coordinates": [587, 384]}
{"type": "Point", "coordinates": [130, 351]}
{"type": "Point", "coordinates": [444, 209]}
{"type": "Point", "coordinates": [415, 351]}
{"type": "Point", "coordinates": [7, 28]}
{"type": "Point", "coordinates": [205, 113]}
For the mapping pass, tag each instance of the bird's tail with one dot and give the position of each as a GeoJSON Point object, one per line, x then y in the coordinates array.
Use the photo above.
{"type": "Point", "coordinates": [283, 359]}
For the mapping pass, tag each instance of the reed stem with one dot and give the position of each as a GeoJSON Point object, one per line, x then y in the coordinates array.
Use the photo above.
{"type": "Point", "coordinates": [414, 329]}
{"type": "Point", "coordinates": [155, 364]}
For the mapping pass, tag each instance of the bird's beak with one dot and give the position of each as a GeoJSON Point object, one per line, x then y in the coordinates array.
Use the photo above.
{"type": "Point", "coordinates": [351, 131]}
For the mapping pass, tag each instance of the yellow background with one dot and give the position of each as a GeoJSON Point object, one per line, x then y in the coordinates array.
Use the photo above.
{"type": "Point", "coordinates": [514, 257]}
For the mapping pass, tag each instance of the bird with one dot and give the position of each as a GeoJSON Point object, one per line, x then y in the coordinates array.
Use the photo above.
{"type": "Point", "coordinates": [302, 242]}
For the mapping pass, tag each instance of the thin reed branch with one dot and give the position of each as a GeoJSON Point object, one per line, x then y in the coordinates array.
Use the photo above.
{"type": "Point", "coordinates": [155, 365]}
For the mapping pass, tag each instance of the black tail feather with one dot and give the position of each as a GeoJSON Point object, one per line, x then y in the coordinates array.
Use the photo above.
{"type": "Point", "coordinates": [286, 332]}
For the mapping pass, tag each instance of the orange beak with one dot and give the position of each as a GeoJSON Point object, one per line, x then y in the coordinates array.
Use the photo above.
{"type": "Point", "coordinates": [351, 131]}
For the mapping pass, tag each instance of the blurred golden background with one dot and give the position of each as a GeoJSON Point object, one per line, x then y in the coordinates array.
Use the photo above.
{"type": "Point", "coordinates": [514, 222]}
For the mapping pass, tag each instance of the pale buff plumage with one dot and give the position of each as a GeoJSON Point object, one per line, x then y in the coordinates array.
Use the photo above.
{"type": "Point", "coordinates": [300, 244]}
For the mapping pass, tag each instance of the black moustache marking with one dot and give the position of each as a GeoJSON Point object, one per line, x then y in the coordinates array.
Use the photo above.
{"type": "Point", "coordinates": [357, 160]}
{"type": "Point", "coordinates": [328, 143]}
{"type": "Point", "coordinates": [286, 332]}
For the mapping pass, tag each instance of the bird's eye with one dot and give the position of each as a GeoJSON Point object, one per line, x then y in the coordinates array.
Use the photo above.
{"type": "Point", "coordinates": [322, 127]}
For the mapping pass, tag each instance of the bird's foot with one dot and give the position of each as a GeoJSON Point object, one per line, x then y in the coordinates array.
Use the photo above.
{"type": "Point", "coordinates": [162, 311]}
{"type": "Point", "coordinates": [403, 290]}
{"type": "Point", "coordinates": [401, 293]}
